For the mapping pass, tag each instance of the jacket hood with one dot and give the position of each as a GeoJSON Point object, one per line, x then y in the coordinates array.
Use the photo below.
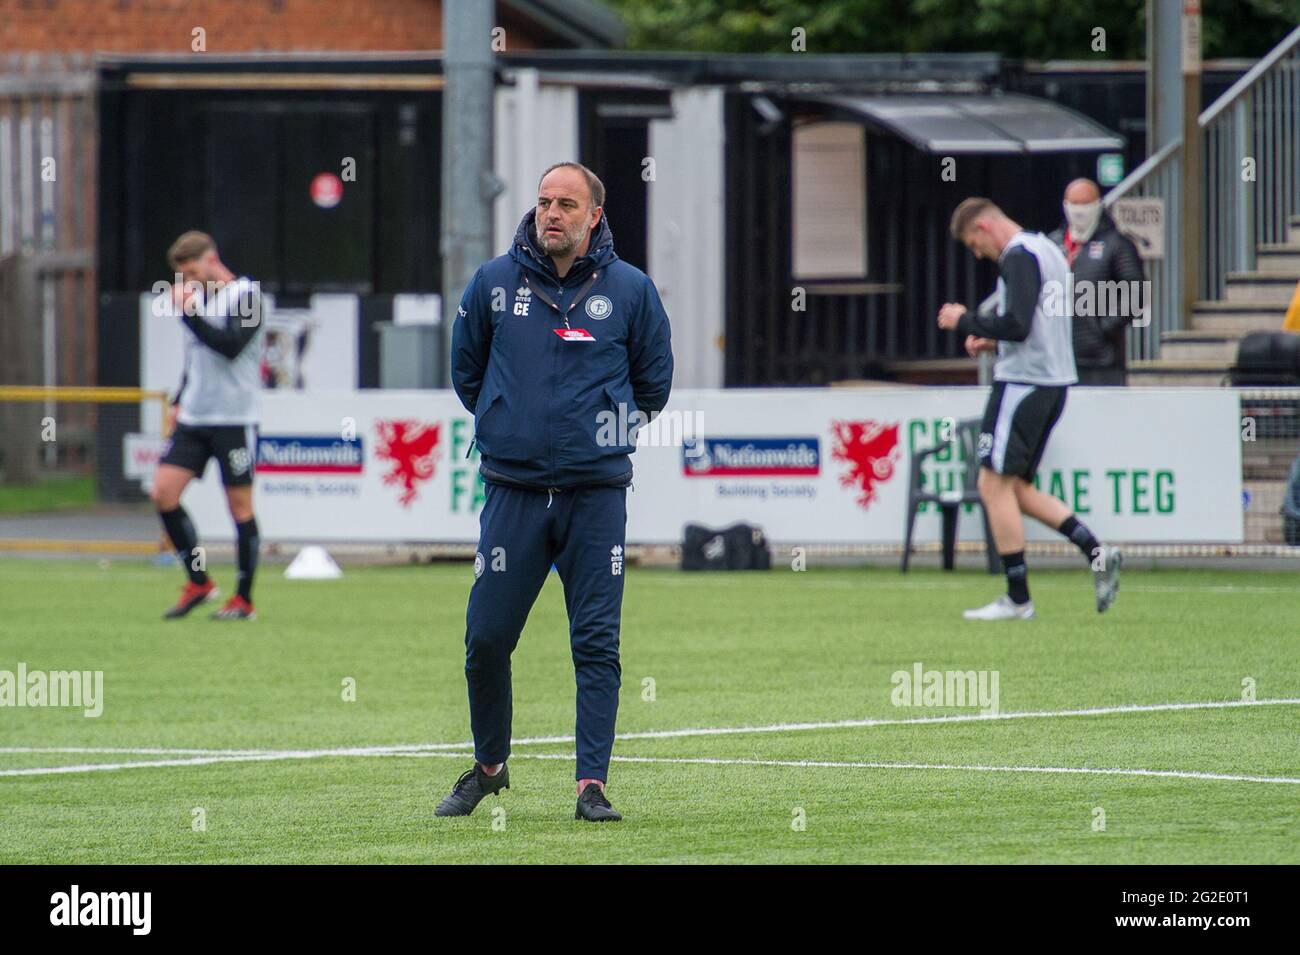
{"type": "Point", "coordinates": [528, 252]}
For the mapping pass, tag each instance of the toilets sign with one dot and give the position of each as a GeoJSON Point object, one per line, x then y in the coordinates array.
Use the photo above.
{"type": "Point", "coordinates": [1143, 221]}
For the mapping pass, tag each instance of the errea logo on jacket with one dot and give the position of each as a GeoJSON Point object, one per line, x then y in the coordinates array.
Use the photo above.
{"type": "Point", "coordinates": [523, 297]}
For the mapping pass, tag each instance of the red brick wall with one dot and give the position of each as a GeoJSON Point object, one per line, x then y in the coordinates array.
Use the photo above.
{"type": "Point", "coordinates": [232, 26]}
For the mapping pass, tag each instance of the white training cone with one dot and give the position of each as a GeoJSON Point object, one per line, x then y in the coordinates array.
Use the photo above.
{"type": "Point", "coordinates": [313, 563]}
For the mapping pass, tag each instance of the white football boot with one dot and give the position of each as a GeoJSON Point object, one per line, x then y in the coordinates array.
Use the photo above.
{"type": "Point", "coordinates": [1004, 608]}
{"type": "Point", "coordinates": [1106, 580]}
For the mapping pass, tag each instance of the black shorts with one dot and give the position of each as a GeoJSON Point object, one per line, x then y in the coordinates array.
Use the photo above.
{"type": "Point", "coordinates": [233, 445]}
{"type": "Point", "coordinates": [1017, 422]}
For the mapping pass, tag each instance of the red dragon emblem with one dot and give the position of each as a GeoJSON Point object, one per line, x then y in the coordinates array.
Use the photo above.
{"type": "Point", "coordinates": [870, 449]}
{"type": "Point", "coordinates": [410, 447]}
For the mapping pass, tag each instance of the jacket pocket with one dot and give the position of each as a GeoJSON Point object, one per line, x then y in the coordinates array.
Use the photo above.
{"type": "Point", "coordinates": [624, 420]}
{"type": "Point", "coordinates": [489, 399]}
{"type": "Point", "coordinates": [500, 433]}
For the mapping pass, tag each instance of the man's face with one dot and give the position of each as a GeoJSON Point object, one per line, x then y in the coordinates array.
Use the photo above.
{"type": "Point", "coordinates": [201, 268]}
{"type": "Point", "coordinates": [979, 240]}
{"type": "Point", "coordinates": [564, 214]}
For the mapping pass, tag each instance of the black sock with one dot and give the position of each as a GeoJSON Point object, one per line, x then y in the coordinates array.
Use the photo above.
{"type": "Point", "coordinates": [247, 546]}
{"type": "Point", "coordinates": [1078, 532]}
{"type": "Point", "coordinates": [185, 539]}
{"type": "Point", "coordinates": [1013, 565]}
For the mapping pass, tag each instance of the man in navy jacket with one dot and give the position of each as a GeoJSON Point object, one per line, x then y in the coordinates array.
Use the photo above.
{"type": "Point", "coordinates": [560, 350]}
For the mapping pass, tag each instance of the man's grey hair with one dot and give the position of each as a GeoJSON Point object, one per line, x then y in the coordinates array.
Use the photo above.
{"type": "Point", "coordinates": [594, 184]}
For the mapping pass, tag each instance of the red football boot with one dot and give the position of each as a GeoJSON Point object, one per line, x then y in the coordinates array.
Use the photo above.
{"type": "Point", "coordinates": [193, 595]}
{"type": "Point", "coordinates": [236, 608]}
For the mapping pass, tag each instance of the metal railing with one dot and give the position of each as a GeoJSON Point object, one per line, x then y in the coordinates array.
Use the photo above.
{"type": "Point", "coordinates": [1158, 177]}
{"type": "Point", "coordinates": [1250, 137]}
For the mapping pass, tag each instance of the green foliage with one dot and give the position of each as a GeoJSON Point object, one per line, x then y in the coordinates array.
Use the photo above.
{"type": "Point", "coordinates": [47, 494]}
{"type": "Point", "coordinates": [1026, 29]}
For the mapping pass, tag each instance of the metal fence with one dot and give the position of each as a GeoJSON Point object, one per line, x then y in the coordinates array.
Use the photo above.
{"type": "Point", "coordinates": [1270, 449]}
{"type": "Point", "coordinates": [66, 448]}
{"type": "Point", "coordinates": [48, 147]}
{"type": "Point", "coordinates": [1158, 177]}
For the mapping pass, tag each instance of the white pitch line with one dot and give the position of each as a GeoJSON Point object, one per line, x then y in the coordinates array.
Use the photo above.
{"type": "Point", "coordinates": [921, 720]}
{"type": "Point", "coordinates": [218, 755]}
{"type": "Point", "coordinates": [377, 752]}
{"type": "Point", "coordinates": [839, 764]}
{"type": "Point", "coordinates": [143, 764]}
{"type": "Point", "coordinates": [817, 763]}
{"type": "Point", "coordinates": [167, 751]}
{"type": "Point", "coordinates": [1048, 583]}
{"type": "Point", "coordinates": [127, 750]}
{"type": "Point", "coordinates": [267, 756]}
{"type": "Point", "coordinates": [908, 721]}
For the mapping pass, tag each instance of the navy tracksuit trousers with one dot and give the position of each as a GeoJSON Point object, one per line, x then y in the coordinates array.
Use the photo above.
{"type": "Point", "coordinates": [521, 533]}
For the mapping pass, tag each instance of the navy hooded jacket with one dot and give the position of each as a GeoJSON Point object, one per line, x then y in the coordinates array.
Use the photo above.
{"type": "Point", "coordinates": [553, 402]}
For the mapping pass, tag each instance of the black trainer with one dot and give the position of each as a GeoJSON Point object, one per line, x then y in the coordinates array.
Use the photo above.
{"type": "Point", "coordinates": [470, 789]}
{"type": "Point", "coordinates": [594, 807]}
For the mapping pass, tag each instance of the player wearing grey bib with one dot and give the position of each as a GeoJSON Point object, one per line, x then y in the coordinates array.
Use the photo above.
{"type": "Point", "coordinates": [1030, 330]}
{"type": "Point", "coordinates": [215, 413]}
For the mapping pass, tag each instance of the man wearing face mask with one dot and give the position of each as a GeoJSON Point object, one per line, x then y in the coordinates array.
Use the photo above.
{"type": "Point", "coordinates": [1098, 252]}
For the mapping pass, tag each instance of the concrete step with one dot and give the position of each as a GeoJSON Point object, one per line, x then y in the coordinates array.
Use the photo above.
{"type": "Point", "coordinates": [1259, 287]}
{"type": "Point", "coordinates": [935, 371]}
{"type": "Point", "coordinates": [1164, 372]}
{"type": "Point", "coordinates": [1199, 346]}
{"type": "Point", "coordinates": [1284, 259]}
{"type": "Point", "coordinates": [1263, 522]}
{"type": "Point", "coordinates": [1237, 318]}
{"type": "Point", "coordinates": [1272, 467]}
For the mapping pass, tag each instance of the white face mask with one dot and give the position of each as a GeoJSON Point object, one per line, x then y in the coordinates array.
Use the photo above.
{"type": "Point", "coordinates": [1083, 219]}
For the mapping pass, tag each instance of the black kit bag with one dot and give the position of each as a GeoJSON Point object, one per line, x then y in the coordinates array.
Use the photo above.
{"type": "Point", "coordinates": [738, 547]}
{"type": "Point", "coordinates": [1267, 358]}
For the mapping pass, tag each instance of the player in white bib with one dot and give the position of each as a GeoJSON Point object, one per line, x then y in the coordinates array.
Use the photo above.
{"type": "Point", "coordinates": [215, 413]}
{"type": "Point", "coordinates": [1030, 330]}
